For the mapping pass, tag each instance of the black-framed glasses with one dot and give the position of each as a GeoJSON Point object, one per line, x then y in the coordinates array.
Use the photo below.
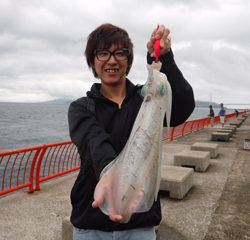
{"type": "Point", "coordinates": [105, 55]}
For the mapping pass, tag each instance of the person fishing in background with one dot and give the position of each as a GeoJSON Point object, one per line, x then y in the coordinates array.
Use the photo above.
{"type": "Point", "coordinates": [211, 115]}
{"type": "Point", "coordinates": [100, 125]}
{"type": "Point", "coordinates": [236, 113]}
{"type": "Point", "coordinates": [222, 114]}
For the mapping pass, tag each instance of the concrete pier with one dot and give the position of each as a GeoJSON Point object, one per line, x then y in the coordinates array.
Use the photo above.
{"type": "Point", "coordinates": [233, 128]}
{"type": "Point", "coordinates": [226, 131]}
{"type": "Point", "coordinates": [176, 180]}
{"type": "Point", "coordinates": [216, 207]}
{"type": "Point", "coordinates": [220, 136]}
{"type": "Point", "coordinates": [237, 124]}
{"type": "Point", "coordinates": [200, 160]}
{"type": "Point", "coordinates": [202, 146]}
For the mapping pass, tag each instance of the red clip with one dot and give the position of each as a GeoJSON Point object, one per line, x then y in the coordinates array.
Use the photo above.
{"type": "Point", "coordinates": [157, 49]}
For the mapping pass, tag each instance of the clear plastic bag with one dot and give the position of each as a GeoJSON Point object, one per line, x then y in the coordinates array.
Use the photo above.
{"type": "Point", "coordinates": [136, 170]}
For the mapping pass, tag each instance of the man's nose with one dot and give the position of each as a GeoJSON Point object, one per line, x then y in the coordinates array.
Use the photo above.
{"type": "Point", "coordinates": [112, 59]}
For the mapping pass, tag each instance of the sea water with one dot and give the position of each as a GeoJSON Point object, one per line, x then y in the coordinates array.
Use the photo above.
{"type": "Point", "coordinates": [30, 124]}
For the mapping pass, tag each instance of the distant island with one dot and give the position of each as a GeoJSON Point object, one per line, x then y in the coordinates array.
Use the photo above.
{"type": "Point", "coordinates": [198, 103]}
{"type": "Point", "coordinates": [60, 101]}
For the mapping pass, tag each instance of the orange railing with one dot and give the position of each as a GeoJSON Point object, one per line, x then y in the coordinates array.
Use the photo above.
{"type": "Point", "coordinates": [28, 167]}
{"type": "Point", "coordinates": [191, 126]}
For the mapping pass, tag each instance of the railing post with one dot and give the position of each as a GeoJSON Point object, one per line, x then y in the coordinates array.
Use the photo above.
{"type": "Point", "coordinates": [39, 163]}
{"type": "Point", "coordinates": [216, 119]}
{"type": "Point", "coordinates": [209, 121]}
{"type": "Point", "coordinates": [200, 123]}
{"type": "Point", "coordinates": [203, 123]}
{"type": "Point", "coordinates": [191, 129]}
{"type": "Point", "coordinates": [172, 134]}
{"type": "Point", "coordinates": [183, 129]}
{"type": "Point", "coordinates": [32, 168]}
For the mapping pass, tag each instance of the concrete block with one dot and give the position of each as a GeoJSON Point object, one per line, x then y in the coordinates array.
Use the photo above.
{"type": "Point", "coordinates": [226, 131]}
{"type": "Point", "coordinates": [230, 127]}
{"type": "Point", "coordinates": [235, 124]}
{"type": "Point", "coordinates": [210, 147]}
{"type": "Point", "coordinates": [200, 160]}
{"type": "Point", "coordinates": [67, 229]}
{"type": "Point", "coordinates": [176, 180]}
{"type": "Point", "coordinates": [219, 136]}
{"type": "Point", "coordinates": [233, 128]}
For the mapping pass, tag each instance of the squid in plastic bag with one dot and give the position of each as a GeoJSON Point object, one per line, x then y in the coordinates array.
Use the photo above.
{"type": "Point", "coordinates": [137, 169]}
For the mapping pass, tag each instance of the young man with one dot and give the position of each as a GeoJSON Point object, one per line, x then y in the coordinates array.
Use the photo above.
{"type": "Point", "coordinates": [100, 125]}
{"type": "Point", "coordinates": [211, 115]}
{"type": "Point", "coordinates": [236, 113]}
{"type": "Point", "coordinates": [222, 114]}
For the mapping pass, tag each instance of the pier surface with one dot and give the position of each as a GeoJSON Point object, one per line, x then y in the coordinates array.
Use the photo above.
{"type": "Point", "coordinates": [217, 207]}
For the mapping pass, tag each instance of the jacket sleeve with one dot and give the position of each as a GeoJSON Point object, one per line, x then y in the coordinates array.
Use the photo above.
{"type": "Point", "coordinates": [182, 93]}
{"type": "Point", "coordinates": [89, 137]}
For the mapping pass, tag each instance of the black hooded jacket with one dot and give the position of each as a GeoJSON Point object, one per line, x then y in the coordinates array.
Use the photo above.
{"type": "Point", "coordinates": [100, 135]}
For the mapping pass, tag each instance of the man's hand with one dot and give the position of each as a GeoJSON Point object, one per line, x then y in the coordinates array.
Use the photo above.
{"type": "Point", "coordinates": [161, 33]}
{"type": "Point", "coordinates": [104, 189]}
{"type": "Point", "coordinates": [105, 192]}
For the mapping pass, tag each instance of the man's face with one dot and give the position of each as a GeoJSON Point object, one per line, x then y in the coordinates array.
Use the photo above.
{"type": "Point", "coordinates": [113, 71]}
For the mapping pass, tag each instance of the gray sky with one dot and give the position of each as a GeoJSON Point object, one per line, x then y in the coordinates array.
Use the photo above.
{"type": "Point", "coordinates": [42, 45]}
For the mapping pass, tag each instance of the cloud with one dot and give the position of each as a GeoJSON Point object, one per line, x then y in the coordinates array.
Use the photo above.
{"type": "Point", "coordinates": [42, 45]}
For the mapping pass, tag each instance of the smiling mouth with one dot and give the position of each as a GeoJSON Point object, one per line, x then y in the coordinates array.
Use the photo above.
{"type": "Point", "coordinates": [113, 70]}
